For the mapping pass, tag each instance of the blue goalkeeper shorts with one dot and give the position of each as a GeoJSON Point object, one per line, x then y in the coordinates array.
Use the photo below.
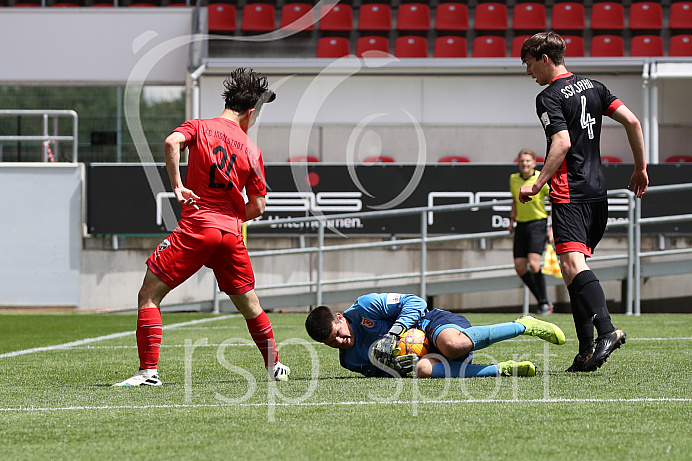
{"type": "Point", "coordinates": [437, 320]}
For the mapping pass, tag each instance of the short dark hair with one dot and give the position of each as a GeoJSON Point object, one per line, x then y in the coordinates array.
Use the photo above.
{"type": "Point", "coordinates": [550, 44]}
{"type": "Point", "coordinates": [319, 323]}
{"type": "Point", "coordinates": [246, 89]}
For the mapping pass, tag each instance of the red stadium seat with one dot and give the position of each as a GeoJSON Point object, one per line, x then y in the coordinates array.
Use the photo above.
{"type": "Point", "coordinates": [297, 16]}
{"type": "Point", "coordinates": [142, 5]}
{"type": "Point", "coordinates": [452, 17]}
{"type": "Point", "coordinates": [646, 16]}
{"type": "Point", "coordinates": [333, 47]}
{"type": "Point", "coordinates": [680, 16]}
{"type": "Point", "coordinates": [646, 45]}
{"type": "Point", "coordinates": [491, 17]}
{"type": "Point", "coordinates": [110, 5]}
{"type": "Point", "coordinates": [372, 47]}
{"type": "Point", "coordinates": [529, 16]}
{"type": "Point", "coordinates": [517, 43]}
{"type": "Point", "coordinates": [679, 159]}
{"type": "Point", "coordinates": [27, 5]}
{"type": "Point", "coordinates": [680, 45]}
{"type": "Point", "coordinates": [489, 47]}
{"type": "Point", "coordinates": [450, 46]}
{"type": "Point", "coordinates": [607, 16]}
{"type": "Point", "coordinates": [222, 17]}
{"type": "Point", "coordinates": [410, 46]}
{"type": "Point", "coordinates": [569, 17]}
{"type": "Point", "coordinates": [574, 46]}
{"type": "Point", "coordinates": [413, 16]}
{"type": "Point", "coordinates": [336, 17]}
{"type": "Point", "coordinates": [64, 5]}
{"type": "Point", "coordinates": [610, 159]}
{"type": "Point", "coordinates": [258, 17]}
{"type": "Point", "coordinates": [607, 46]}
{"type": "Point", "coordinates": [453, 159]}
{"type": "Point", "coordinates": [303, 159]}
{"type": "Point", "coordinates": [380, 159]}
{"type": "Point", "coordinates": [375, 16]}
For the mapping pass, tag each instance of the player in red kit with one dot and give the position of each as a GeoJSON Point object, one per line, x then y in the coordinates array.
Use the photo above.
{"type": "Point", "coordinates": [571, 110]}
{"type": "Point", "coordinates": [222, 161]}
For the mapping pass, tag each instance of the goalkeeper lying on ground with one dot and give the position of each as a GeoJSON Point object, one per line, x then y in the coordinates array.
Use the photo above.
{"type": "Point", "coordinates": [367, 334]}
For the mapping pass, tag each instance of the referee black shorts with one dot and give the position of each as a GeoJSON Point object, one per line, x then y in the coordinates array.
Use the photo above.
{"type": "Point", "coordinates": [529, 237]}
{"type": "Point", "coordinates": [579, 226]}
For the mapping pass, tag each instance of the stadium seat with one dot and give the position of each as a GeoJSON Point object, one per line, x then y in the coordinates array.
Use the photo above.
{"type": "Point", "coordinates": [607, 46]}
{"type": "Point", "coordinates": [646, 16]}
{"type": "Point", "coordinates": [610, 159]}
{"type": "Point", "coordinates": [375, 16]}
{"type": "Point", "coordinates": [646, 45]}
{"type": "Point", "coordinates": [27, 5]}
{"type": "Point", "coordinates": [379, 159]}
{"type": "Point", "coordinates": [452, 17]}
{"type": "Point", "coordinates": [297, 16]}
{"type": "Point", "coordinates": [575, 47]}
{"type": "Point", "coordinates": [453, 159]}
{"type": "Point", "coordinates": [517, 43]}
{"type": "Point", "coordinates": [303, 159]}
{"type": "Point", "coordinates": [336, 17]}
{"type": "Point", "coordinates": [222, 17]}
{"type": "Point", "coordinates": [450, 46]}
{"type": "Point", "coordinates": [679, 159]}
{"type": "Point", "coordinates": [333, 47]}
{"type": "Point", "coordinates": [142, 5]}
{"type": "Point", "coordinates": [529, 17]}
{"type": "Point", "coordinates": [411, 46]}
{"type": "Point", "coordinates": [568, 17]}
{"type": "Point", "coordinates": [680, 45]}
{"type": "Point", "coordinates": [372, 46]}
{"type": "Point", "coordinates": [110, 5]}
{"type": "Point", "coordinates": [258, 17]}
{"type": "Point", "coordinates": [680, 16]}
{"type": "Point", "coordinates": [413, 17]}
{"type": "Point", "coordinates": [608, 16]}
{"type": "Point", "coordinates": [64, 5]}
{"type": "Point", "coordinates": [489, 47]}
{"type": "Point", "coordinates": [491, 17]}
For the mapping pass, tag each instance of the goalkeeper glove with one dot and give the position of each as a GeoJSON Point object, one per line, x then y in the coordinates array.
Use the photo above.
{"type": "Point", "coordinates": [405, 364]}
{"type": "Point", "coordinates": [386, 348]}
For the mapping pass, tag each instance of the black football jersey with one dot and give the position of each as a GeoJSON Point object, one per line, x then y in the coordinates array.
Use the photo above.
{"type": "Point", "coordinates": [577, 104]}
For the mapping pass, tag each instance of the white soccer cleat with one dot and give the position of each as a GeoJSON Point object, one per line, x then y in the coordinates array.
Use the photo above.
{"type": "Point", "coordinates": [142, 378]}
{"type": "Point", "coordinates": [279, 372]}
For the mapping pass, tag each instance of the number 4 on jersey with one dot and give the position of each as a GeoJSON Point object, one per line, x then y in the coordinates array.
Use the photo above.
{"type": "Point", "coordinates": [587, 121]}
{"type": "Point", "coordinates": [221, 166]}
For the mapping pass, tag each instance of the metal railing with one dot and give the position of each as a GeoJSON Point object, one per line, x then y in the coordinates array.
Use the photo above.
{"type": "Point", "coordinates": [631, 259]}
{"type": "Point", "coordinates": [46, 137]}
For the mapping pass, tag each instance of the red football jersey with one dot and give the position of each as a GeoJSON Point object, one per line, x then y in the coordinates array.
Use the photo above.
{"type": "Point", "coordinates": [223, 160]}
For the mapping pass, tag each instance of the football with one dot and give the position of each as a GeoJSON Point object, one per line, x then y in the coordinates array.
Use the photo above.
{"type": "Point", "coordinates": [414, 341]}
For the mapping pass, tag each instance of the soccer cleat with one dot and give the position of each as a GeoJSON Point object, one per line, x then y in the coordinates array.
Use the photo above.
{"type": "Point", "coordinates": [279, 372]}
{"type": "Point", "coordinates": [580, 361]}
{"type": "Point", "coordinates": [544, 309]}
{"type": "Point", "coordinates": [540, 329]}
{"type": "Point", "coordinates": [142, 378]}
{"type": "Point", "coordinates": [603, 347]}
{"type": "Point", "coordinates": [512, 368]}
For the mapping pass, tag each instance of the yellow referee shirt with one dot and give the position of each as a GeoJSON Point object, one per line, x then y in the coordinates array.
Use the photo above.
{"type": "Point", "coordinates": [533, 210]}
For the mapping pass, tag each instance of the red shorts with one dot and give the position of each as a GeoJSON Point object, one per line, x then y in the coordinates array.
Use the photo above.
{"type": "Point", "coordinates": [186, 250]}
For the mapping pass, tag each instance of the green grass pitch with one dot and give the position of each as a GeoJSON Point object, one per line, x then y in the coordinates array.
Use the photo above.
{"type": "Point", "coordinates": [56, 401]}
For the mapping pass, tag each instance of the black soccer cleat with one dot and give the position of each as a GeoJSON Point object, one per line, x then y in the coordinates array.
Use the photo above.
{"type": "Point", "coordinates": [581, 360]}
{"type": "Point", "coordinates": [604, 346]}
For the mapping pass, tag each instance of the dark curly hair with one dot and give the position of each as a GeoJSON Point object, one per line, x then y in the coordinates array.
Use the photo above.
{"type": "Point", "coordinates": [549, 43]}
{"type": "Point", "coordinates": [319, 323]}
{"type": "Point", "coordinates": [246, 89]}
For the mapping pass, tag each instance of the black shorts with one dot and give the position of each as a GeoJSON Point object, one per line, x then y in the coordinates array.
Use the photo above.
{"type": "Point", "coordinates": [529, 237]}
{"type": "Point", "coordinates": [579, 226]}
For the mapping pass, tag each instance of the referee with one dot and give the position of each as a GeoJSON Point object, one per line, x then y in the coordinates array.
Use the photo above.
{"type": "Point", "coordinates": [531, 231]}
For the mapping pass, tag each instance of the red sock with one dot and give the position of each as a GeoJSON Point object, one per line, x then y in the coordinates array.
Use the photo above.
{"type": "Point", "coordinates": [261, 331]}
{"type": "Point", "coordinates": [149, 333]}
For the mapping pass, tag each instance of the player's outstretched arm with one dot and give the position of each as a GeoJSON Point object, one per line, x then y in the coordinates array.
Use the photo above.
{"type": "Point", "coordinates": [640, 179]}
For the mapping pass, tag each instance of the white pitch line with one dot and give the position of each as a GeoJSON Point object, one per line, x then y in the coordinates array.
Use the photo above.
{"type": "Point", "coordinates": [82, 342]}
{"type": "Point", "coordinates": [350, 403]}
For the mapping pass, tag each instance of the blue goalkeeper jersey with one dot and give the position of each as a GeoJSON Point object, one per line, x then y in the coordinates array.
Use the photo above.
{"type": "Point", "coordinates": [371, 317]}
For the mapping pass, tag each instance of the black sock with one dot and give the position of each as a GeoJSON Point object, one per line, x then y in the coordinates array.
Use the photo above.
{"type": "Point", "coordinates": [582, 321]}
{"type": "Point", "coordinates": [590, 293]}
{"type": "Point", "coordinates": [539, 281]}
{"type": "Point", "coordinates": [530, 282]}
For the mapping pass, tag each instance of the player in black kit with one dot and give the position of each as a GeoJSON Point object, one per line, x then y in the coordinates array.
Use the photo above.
{"type": "Point", "coordinates": [571, 110]}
